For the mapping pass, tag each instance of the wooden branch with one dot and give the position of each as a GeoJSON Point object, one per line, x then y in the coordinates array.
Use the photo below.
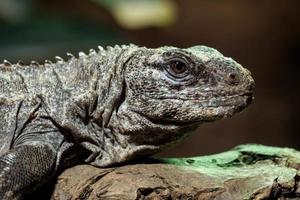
{"type": "Point", "coordinates": [246, 172]}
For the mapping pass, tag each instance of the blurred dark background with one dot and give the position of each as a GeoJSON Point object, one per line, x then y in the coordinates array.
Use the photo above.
{"type": "Point", "coordinates": [263, 36]}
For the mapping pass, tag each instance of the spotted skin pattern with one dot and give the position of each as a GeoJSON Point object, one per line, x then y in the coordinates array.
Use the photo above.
{"type": "Point", "coordinates": [109, 106]}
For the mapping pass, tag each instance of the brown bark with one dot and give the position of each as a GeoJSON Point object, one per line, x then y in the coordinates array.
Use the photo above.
{"type": "Point", "coordinates": [246, 172]}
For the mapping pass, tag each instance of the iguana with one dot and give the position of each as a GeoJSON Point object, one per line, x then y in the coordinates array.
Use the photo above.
{"type": "Point", "coordinates": [109, 106]}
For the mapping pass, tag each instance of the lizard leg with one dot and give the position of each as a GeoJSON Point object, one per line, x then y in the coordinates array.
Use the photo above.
{"type": "Point", "coordinates": [24, 168]}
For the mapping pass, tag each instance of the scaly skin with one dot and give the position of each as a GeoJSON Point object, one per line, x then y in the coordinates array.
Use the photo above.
{"type": "Point", "coordinates": [108, 107]}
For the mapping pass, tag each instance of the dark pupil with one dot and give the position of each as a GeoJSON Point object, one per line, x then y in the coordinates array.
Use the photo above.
{"type": "Point", "coordinates": [178, 67]}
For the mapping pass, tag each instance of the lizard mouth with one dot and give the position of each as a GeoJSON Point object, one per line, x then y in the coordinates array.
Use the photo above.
{"type": "Point", "coordinates": [223, 107]}
{"type": "Point", "coordinates": [244, 101]}
{"type": "Point", "coordinates": [227, 101]}
{"type": "Point", "coordinates": [227, 108]}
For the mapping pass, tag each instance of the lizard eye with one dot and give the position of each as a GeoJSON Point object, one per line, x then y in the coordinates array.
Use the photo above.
{"type": "Point", "coordinates": [177, 69]}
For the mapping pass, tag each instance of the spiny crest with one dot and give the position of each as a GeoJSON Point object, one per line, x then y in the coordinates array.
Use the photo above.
{"type": "Point", "coordinates": [59, 59]}
{"type": "Point", "coordinates": [20, 63]}
{"type": "Point", "coordinates": [92, 52]}
{"type": "Point", "coordinates": [34, 63]}
{"type": "Point", "coordinates": [48, 62]}
{"type": "Point", "coordinates": [81, 54]}
{"type": "Point", "coordinates": [102, 52]}
{"type": "Point", "coordinates": [70, 55]}
{"type": "Point", "coordinates": [6, 63]}
{"type": "Point", "coordinates": [101, 48]}
{"type": "Point", "coordinates": [131, 45]}
{"type": "Point", "coordinates": [109, 48]}
{"type": "Point", "coordinates": [114, 48]}
{"type": "Point", "coordinates": [124, 46]}
{"type": "Point", "coordinates": [117, 47]}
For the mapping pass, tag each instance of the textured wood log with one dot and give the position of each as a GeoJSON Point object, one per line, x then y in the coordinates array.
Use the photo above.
{"type": "Point", "coordinates": [245, 172]}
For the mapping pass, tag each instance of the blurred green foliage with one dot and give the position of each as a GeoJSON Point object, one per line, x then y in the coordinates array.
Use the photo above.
{"type": "Point", "coordinates": [39, 38]}
{"type": "Point", "coordinates": [39, 29]}
{"type": "Point", "coordinates": [15, 10]}
{"type": "Point", "coordinates": [136, 14]}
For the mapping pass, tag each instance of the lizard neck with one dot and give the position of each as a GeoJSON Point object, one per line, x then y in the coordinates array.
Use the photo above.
{"type": "Point", "coordinates": [90, 112]}
{"type": "Point", "coordinates": [129, 135]}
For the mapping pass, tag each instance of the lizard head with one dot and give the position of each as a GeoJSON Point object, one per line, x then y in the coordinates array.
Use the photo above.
{"type": "Point", "coordinates": [186, 86]}
{"type": "Point", "coordinates": [168, 92]}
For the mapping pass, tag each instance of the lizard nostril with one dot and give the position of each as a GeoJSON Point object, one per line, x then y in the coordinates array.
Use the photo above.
{"type": "Point", "coordinates": [232, 76]}
{"type": "Point", "coordinates": [233, 79]}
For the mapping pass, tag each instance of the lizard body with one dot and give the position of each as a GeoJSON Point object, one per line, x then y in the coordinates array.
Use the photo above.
{"type": "Point", "coordinates": [108, 107]}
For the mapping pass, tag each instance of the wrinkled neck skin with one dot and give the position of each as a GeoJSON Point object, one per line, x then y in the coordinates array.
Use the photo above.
{"type": "Point", "coordinates": [114, 133]}
{"type": "Point", "coordinates": [137, 135]}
